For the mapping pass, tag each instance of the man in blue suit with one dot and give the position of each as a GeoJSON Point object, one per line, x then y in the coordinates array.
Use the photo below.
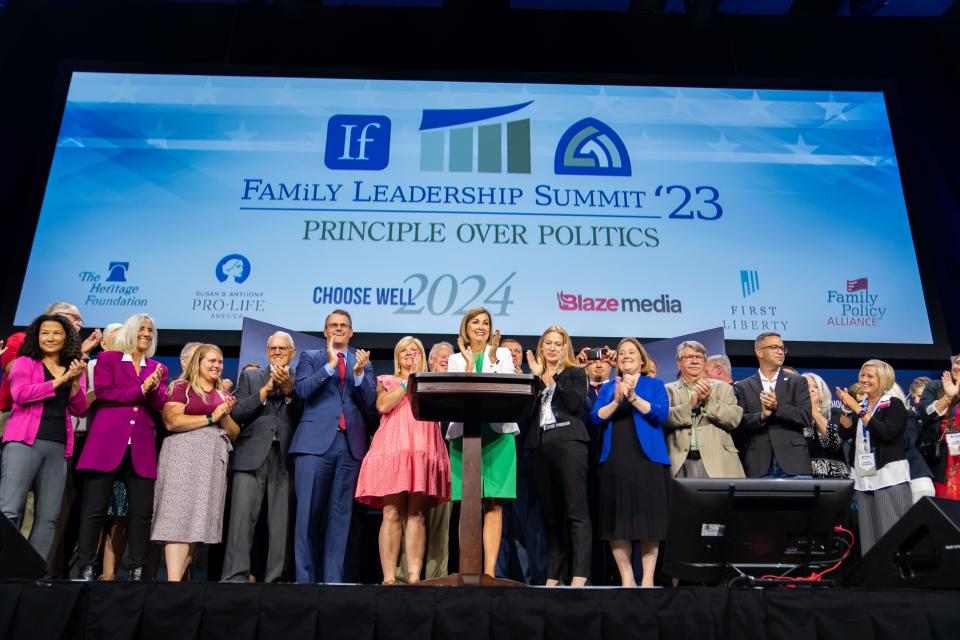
{"type": "Point", "coordinates": [338, 390]}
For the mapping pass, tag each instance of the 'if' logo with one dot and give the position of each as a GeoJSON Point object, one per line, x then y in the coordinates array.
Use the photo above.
{"type": "Point", "coordinates": [358, 143]}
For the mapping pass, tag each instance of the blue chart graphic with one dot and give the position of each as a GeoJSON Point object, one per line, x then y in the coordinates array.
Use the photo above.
{"type": "Point", "coordinates": [611, 210]}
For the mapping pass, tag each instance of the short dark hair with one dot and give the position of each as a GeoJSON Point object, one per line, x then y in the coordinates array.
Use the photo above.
{"type": "Point", "coordinates": [764, 335]}
{"type": "Point", "coordinates": [31, 342]}
{"type": "Point", "coordinates": [338, 312]}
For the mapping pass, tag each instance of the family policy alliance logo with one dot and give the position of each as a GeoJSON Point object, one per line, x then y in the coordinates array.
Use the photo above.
{"type": "Point", "coordinates": [234, 266]}
{"type": "Point", "coordinates": [856, 304]}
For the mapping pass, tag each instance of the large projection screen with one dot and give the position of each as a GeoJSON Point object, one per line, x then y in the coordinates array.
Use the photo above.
{"type": "Point", "coordinates": [611, 210]}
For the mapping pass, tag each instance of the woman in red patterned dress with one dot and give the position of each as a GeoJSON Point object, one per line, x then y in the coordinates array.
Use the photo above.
{"type": "Point", "coordinates": [407, 469]}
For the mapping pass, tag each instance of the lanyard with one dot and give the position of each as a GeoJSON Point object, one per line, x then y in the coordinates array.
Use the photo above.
{"type": "Point", "coordinates": [866, 430]}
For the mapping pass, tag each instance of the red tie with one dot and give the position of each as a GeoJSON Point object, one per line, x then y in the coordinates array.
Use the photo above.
{"type": "Point", "coordinates": [342, 371]}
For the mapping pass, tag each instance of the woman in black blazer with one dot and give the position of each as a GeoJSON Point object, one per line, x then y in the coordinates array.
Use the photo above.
{"type": "Point", "coordinates": [559, 442]}
{"type": "Point", "coordinates": [878, 464]}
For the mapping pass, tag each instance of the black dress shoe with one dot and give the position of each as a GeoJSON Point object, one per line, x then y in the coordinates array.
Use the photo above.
{"type": "Point", "coordinates": [88, 574]}
{"type": "Point", "coordinates": [135, 574]}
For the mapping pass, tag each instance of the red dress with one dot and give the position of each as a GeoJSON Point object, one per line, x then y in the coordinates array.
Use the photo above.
{"type": "Point", "coordinates": [950, 488]}
{"type": "Point", "coordinates": [405, 456]}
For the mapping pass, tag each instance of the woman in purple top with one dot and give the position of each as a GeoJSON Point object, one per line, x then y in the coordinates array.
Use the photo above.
{"type": "Point", "coordinates": [130, 389]}
{"type": "Point", "coordinates": [46, 383]}
{"type": "Point", "coordinates": [192, 478]}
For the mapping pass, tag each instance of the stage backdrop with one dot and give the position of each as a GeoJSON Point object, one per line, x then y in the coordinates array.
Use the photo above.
{"type": "Point", "coordinates": [612, 210]}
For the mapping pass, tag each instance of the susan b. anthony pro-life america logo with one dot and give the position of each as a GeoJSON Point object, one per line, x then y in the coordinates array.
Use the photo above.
{"type": "Point", "coordinates": [233, 302]}
{"type": "Point", "coordinates": [234, 267]}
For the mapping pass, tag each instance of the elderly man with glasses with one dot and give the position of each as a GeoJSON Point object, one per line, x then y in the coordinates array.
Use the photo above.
{"type": "Point", "coordinates": [703, 413]}
{"type": "Point", "coordinates": [776, 411]}
{"type": "Point", "coordinates": [267, 411]}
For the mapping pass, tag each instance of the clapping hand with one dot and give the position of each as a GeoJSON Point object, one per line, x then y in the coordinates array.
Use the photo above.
{"type": "Point", "coordinates": [363, 357]}
{"type": "Point", "coordinates": [535, 367]}
{"type": "Point", "coordinates": [2, 348]}
{"type": "Point", "coordinates": [627, 386]}
{"type": "Point", "coordinates": [949, 386]}
{"type": "Point", "coordinates": [768, 404]}
{"type": "Point", "coordinates": [153, 379]}
{"type": "Point", "coordinates": [814, 400]}
{"type": "Point", "coordinates": [848, 400]}
{"type": "Point", "coordinates": [91, 342]}
{"type": "Point", "coordinates": [332, 355]}
{"type": "Point", "coordinates": [280, 378]}
{"type": "Point", "coordinates": [467, 353]}
{"type": "Point", "coordinates": [494, 345]}
{"type": "Point", "coordinates": [703, 390]}
{"type": "Point", "coordinates": [223, 408]}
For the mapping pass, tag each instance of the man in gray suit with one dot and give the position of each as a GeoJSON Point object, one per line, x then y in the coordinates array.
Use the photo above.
{"type": "Point", "coordinates": [267, 412]}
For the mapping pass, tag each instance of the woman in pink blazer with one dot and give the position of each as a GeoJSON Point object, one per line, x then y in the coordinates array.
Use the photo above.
{"type": "Point", "coordinates": [46, 383]}
{"type": "Point", "coordinates": [130, 389]}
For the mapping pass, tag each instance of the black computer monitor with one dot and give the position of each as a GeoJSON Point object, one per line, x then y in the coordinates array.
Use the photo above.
{"type": "Point", "coordinates": [758, 526]}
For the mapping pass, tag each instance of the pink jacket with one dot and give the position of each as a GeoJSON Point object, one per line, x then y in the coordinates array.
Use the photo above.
{"type": "Point", "coordinates": [29, 390]}
{"type": "Point", "coordinates": [123, 415]}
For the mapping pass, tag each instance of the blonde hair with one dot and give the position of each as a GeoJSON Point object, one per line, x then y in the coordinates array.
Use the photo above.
{"type": "Point", "coordinates": [885, 373]}
{"type": "Point", "coordinates": [645, 366]}
{"type": "Point", "coordinates": [470, 315]}
{"type": "Point", "coordinates": [191, 375]}
{"type": "Point", "coordinates": [568, 359]}
{"type": "Point", "coordinates": [126, 341]}
{"type": "Point", "coordinates": [405, 342]}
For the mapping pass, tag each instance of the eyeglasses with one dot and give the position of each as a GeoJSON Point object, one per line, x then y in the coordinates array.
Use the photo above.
{"type": "Point", "coordinates": [338, 325]}
{"type": "Point", "coordinates": [278, 348]}
{"type": "Point", "coordinates": [775, 347]}
{"type": "Point", "coordinates": [75, 316]}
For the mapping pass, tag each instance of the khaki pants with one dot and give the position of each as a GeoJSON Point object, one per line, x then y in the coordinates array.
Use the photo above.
{"type": "Point", "coordinates": [438, 544]}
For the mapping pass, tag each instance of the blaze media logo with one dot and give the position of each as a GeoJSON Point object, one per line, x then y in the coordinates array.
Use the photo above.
{"type": "Point", "coordinates": [591, 148]}
{"type": "Point", "coordinates": [447, 144]}
{"type": "Point", "coordinates": [749, 282]}
{"type": "Point", "coordinates": [357, 143]}
{"type": "Point", "coordinates": [233, 266]}
{"type": "Point", "coordinates": [117, 271]}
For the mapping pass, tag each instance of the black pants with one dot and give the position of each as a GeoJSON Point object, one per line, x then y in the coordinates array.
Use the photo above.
{"type": "Point", "coordinates": [559, 469]}
{"type": "Point", "coordinates": [93, 511]}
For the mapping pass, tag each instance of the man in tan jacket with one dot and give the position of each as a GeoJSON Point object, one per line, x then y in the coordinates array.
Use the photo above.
{"type": "Point", "coordinates": [703, 412]}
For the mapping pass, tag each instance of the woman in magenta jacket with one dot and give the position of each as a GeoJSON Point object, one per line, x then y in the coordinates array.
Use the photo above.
{"type": "Point", "coordinates": [130, 389]}
{"type": "Point", "coordinates": [46, 383]}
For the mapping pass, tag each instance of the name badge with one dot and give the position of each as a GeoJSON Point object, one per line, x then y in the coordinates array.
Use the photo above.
{"type": "Point", "coordinates": [953, 443]}
{"type": "Point", "coordinates": [867, 464]}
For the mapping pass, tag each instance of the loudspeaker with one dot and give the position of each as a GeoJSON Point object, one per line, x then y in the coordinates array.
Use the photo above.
{"type": "Point", "coordinates": [17, 557]}
{"type": "Point", "coordinates": [921, 550]}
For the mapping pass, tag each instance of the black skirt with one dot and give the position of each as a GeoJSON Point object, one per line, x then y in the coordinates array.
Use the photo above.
{"type": "Point", "coordinates": [633, 488]}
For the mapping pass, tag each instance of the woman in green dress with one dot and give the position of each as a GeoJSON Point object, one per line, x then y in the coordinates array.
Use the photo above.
{"type": "Point", "coordinates": [480, 353]}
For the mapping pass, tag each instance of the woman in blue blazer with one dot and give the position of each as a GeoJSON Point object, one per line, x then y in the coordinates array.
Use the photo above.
{"type": "Point", "coordinates": [634, 463]}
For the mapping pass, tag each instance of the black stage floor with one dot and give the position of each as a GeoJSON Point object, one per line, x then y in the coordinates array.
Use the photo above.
{"type": "Point", "coordinates": [34, 610]}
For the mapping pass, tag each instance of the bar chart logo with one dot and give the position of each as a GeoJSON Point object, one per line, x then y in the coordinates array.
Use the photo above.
{"type": "Point", "coordinates": [453, 140]}
{"type": "Point", "coordinates": [357, 143]}
{"type": "Point", "coordinates": [749, 282]}
{"type": "Point", "coordinates": [591, 148]}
